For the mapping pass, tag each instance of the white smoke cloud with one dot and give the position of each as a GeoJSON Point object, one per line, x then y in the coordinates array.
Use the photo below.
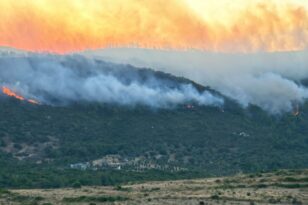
{"type": "Point", "coordinates": [63, 79]}
{"type": "Point", "coordinates": [268, 91]}
{"type": "Point", "coordinates": [268, 80]}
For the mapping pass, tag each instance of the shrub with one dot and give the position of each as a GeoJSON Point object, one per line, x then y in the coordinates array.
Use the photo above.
{"type": "Point", "coordinates": [76, 185]}
{"type": "Point", "coordinates": [215, 197]}
{"type": "Point", "coordinates": [94, 199]}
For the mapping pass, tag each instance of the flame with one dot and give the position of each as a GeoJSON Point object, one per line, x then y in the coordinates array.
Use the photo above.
{"type": "Point", "coordinates": [71, 25]}
{"type": "Point", "coordinates": [33, 101]}
{"type": "Point", "coordinates": [10, 93]}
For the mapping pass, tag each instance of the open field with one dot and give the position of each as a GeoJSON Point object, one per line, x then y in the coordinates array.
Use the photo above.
{"type": "Point", "coordinates": [280, 187]}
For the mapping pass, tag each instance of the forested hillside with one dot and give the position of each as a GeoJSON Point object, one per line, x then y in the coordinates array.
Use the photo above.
{"type": "Point", "coordinates": [90, 143]}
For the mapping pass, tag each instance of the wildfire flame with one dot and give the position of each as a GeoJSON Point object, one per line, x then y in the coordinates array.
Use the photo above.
{"type": "Point", "coordinates": [7, 91]}
{"type": "Point", "coordinates": [33, 101]}
{"type": "Point", "coordinates": [10, 93]}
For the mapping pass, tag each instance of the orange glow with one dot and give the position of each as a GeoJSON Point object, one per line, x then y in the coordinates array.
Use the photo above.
{"type": "Point", "coordinates": [33, 101]}
{"type": "Point", "coordinates": [10, 93]}
{"type": "Point", "coordinates": [72, 25]}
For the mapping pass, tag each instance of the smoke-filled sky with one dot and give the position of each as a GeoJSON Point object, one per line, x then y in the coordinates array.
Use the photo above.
{"type": "Point", "coordinates": [60, 80]}
{"type": "Point", "coordinates": [214, 25]}
{"type": "Point", "coordinates": [233, 46]}
{"type": "Point", "coordinates": [271, 81]}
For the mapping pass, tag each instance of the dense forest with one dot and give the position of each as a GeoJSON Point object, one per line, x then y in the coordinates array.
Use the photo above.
{"type": "Point", "coordinates": [101, 144]}
{"type": "Point", "coordinates": [83, 143]}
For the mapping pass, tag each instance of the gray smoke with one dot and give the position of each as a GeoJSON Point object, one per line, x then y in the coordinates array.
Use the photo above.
{"type": "Point", "coordinates": [269, 80]}
{"type": "Point", "coordinates": [54, 79]}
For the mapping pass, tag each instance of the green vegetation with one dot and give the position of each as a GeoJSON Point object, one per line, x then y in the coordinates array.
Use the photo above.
{"type": "Point", "coordinates": [14, 197]}
{"type": "Point", "coordinates": [94, 199]}
{"type": "Point", "coordinates": [292, 179]}
{"type": "Point", "coordinates": [292, 186]}
{"type": "Point", "coordinates": [4, 191]}
{"type": "Point", "coordinates": [39, 143]}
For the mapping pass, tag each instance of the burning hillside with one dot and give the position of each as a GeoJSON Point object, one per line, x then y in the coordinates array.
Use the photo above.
{"type": "Point", "coordinates": [7, 91]}
{"type": "Point", "coordinates": [62, 80]}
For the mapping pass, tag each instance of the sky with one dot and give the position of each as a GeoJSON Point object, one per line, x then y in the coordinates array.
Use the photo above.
{"type": "Point", "coordinates": [64, 26]}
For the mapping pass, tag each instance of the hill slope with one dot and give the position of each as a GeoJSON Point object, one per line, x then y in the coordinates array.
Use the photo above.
{"type": "Point", "coordinates": [52, 146]}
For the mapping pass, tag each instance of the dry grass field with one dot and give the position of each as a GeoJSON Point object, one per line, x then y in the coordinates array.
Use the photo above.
{"type": "Point", "coordinates": [281, 187]}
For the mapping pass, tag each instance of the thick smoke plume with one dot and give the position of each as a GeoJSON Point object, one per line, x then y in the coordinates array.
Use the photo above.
{"type": "Point", "coordinates": [64, 79]}
{"type": "Point", "coordinates": [269, 80]}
